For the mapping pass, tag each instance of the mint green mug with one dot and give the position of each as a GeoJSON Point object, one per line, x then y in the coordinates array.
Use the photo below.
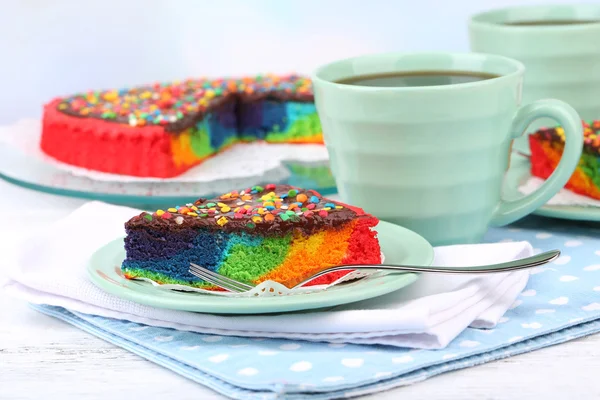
{"type": "Point", "coordinates": [432, 158]}
{"type": "Point", "coordinates": [562, 58]}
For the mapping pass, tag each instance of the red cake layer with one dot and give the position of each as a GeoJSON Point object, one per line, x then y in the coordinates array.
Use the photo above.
{"type": "Point", "coordinates": [107, 147]}
{"type": "Point", "coordinates": [363, 246]}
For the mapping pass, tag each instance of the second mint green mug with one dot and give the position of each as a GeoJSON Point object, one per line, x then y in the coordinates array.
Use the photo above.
{"type": "Point", "coordinates": [433, 158]}
{"type": "Point", "coordinates": [560, 50]}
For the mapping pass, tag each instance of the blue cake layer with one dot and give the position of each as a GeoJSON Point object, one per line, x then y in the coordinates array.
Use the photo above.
{"type": "Point", "coordinates": [259, 118]}
{"type": "Point", "coordinates": [222, 125]}
{"type": "Point", "coordinates": [171, 255]}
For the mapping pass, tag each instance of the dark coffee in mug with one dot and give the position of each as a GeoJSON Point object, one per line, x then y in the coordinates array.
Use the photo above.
{"type": "Point", "coordinates": [416, 78]}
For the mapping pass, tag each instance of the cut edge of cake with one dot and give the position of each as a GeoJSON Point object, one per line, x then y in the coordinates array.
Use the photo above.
{"type": "Point", "coordinates": [270, 242]}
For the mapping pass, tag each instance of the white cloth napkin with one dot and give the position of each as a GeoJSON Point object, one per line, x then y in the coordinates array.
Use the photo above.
{"type": "Point", "coordinates": [563, 198]}
{"type": "Point", "coordinates": [49, 267]}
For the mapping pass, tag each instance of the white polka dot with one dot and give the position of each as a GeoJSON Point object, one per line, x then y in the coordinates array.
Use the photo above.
{"type": "Point", "coordinates": [290, 346]}
{"type": "Point", "coordinates": [486, 331]}
{"type": "Point", "coordinates": [543, 235]}
{"type": "Point", "coordinates": [545, 311]}
{"type": "Point", "coordinates": [138, 328]}
{"type": "Point", "coordinates": [402, 359]}
{"type": "Point", "coordinates": [515, 339]}
{"type": "Point", "coordinates": [301, 366]}
{"type": "Point", "coordinates": [336, 345]}
{"type": "Point", "coordinates": [568, 278]}
{"type": "Point", "coordinates": [595, 267]}
{"type": "Point", "coordinates": [597, 252]}
{"type": "Point", "coordinates": [238, 346]}
{"type": "Point", "coordinates": [597, 289]}
{"type": "Point", "coordinates": [559, 301]}
{"type": "Point", "coordinates": [333, 379]}
{"type": "Point", "coordinates": [267, 352]}
{"type": "Point", "coordinates": [591, 307]}
{"type": "Point", "coordinates": [516, 304]}
{"type": "Point", "coordinates": [449, 356]}
{"type": "Point", "coordinates": [503, 320]}
{"type": "Point", "coordinates": [163, 338]}
{"type": "Point", "coordinates": [218, 358]}
{"type": "Point", "coordinates": [533, 325]}
{"type": "Point", "coordinates": [529, 293]}
{"type": "Point", "coordinates": [248, 371]}
{"type": "Point", "coordinates": [537, 251]}
{"type": "Point", "coordinates": [469, 343]}
{"type": "Point", "coordinates": [575, 320]}
{"type": "Point", "coordinates": [573, 243]}
{"type": "Point", "coordinates": [507, 240]}
{"type": "Point", "coordinates": [382, 374]}
{"type": "Point", "coordinates": [562, 260]}
{"type": "Point", "coordinates": [189, 348]}
{"type": "Point", "coordinates": [212, 339]}
{"type": "Point", "coordinates": [352, 362]}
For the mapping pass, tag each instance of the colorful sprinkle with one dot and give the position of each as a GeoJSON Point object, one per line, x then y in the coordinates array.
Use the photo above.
{"type": "Point", "coordinates": [179, 220]}
{"type": "Point", "coordinates": [301, 198]}
{"type": "Point", "coordinates": [222, 221]}
{"type": "Point", "coordinates": [314, 199]}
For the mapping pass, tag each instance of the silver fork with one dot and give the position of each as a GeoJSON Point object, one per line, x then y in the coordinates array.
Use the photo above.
{"type": "Point", "coordinates": [235, 286]}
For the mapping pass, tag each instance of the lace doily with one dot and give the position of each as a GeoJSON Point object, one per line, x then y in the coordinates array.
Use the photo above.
{"type": "Point", "coordinates": [563, 198]}
{"type": "Point", "coordinates": [238, 163]}
{"type": "Point", "coordinates": [270, 288]}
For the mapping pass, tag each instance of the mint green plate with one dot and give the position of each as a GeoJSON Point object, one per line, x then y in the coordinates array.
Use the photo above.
{"type": "Point", "coordinates": [519, 173]}
{"type": "Point", "coordinates": [399, 245]}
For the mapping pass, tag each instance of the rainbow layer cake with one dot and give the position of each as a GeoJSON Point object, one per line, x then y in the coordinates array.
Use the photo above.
{"type": "Point", "coordinates": [277, 232]}
{"type": "Point", "coordinates": [162, 130]}
{"type": "Point", "coordinates": [546, 150]}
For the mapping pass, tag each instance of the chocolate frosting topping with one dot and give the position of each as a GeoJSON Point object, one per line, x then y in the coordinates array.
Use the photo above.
{"type": "Point", "coordinates": [274, 210]}
{"type": "Point", "coordinates": [178, 106]}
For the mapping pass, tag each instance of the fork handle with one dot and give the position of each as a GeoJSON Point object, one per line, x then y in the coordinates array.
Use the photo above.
{"type": "Point", "coordinates": [523, 263]}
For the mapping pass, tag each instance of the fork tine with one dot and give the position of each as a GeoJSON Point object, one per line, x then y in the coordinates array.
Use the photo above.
{"type": "Point", "coordinates": [216, 281]}
{"type": "Point", "coordinates": [219, 276]}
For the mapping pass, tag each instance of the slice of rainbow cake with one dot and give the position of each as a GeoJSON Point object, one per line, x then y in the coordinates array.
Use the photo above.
{"type": "Point", "coordinates": [546, 150]}
{"type": "Point", "coordinates": [276, 232]}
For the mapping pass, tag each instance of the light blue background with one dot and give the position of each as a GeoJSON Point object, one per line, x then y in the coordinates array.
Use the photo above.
{"type": "Point", "coordinates": [50, 48]}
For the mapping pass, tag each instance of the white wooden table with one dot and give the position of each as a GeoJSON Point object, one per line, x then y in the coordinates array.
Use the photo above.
{"type": "Point", "coordinates": [41, 357]}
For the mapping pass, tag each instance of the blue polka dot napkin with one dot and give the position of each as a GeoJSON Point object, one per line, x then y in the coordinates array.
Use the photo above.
{"type": "Point", "coordinates": [561, 302]}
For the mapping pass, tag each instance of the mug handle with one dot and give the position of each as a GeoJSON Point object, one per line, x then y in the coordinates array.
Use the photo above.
{"type": "Point", "coordinates": [567, 117]}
